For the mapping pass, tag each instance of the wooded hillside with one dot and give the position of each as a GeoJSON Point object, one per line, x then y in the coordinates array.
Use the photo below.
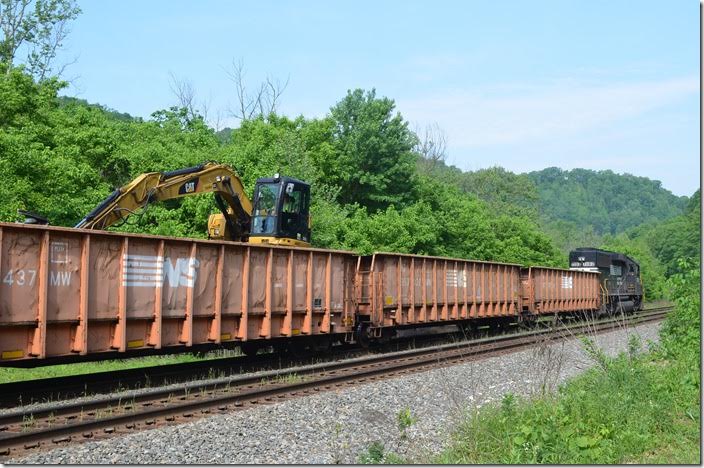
{"type": "Point", "coordinates": [374, 187]}
{"type": "Point", "coordinates": [603, 201]}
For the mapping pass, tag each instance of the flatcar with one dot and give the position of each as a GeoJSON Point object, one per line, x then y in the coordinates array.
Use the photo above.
{"type": "Point", "coordinates": [619, 276]}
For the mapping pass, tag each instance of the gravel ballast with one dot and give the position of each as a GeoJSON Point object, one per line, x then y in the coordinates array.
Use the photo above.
{"type": "Point", "coordinates": [337, 426]}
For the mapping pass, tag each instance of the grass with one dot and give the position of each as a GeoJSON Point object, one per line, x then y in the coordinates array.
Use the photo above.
{"type": "Point", "coordinates": [284, 379]}
{"type": "Point", "coordinates": [629, 409]}
{"type": "Point", "coordinates": [12, 374]}
{"type": "Point", "coordinates": [636, 408]}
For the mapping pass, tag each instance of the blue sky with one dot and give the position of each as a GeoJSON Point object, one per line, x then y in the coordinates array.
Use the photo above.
{"type": "Point", "coordinates": [520, 84]}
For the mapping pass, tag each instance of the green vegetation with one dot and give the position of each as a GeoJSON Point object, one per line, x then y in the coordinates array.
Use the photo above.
{"type": "Point", "coordinates": [642, 406]}
{"type": "Point", "coordinates": [377, 185]}
{"type": "Point", "coordinates": [286, 379]}
{"type": "Point", "coordinates": [36, 27]}
{"type": "Point", "coordinates": [12, 374]}
{"type": "Point", "coordinates": [377, 453]}
{"type": "Point", "coordinates": [634, 408]}
{"type": "Point", "coordinates": [677, 237]}
{"type": "Point", "coordinates": [63, 156]}
{"type": "Point", "coordinates": [659, 247]}
{"type": "Point", "coordinates": [584, 208]}
{"type": "Point", "coordinates": [606, 202]}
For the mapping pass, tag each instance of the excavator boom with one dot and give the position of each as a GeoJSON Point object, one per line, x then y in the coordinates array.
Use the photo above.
{"type": "Point", "coordinates": [219, 179]}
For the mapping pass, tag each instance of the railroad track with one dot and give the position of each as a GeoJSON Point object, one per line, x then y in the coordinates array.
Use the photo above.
{"type": "Point", "coordinates": [26, 392]}
{"type": "Point", "coordinates": [24, 431]}
{"type": "Point", "coordinates": [63, 388]}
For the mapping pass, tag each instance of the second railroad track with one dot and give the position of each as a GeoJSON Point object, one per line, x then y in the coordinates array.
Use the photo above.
{"type": "Point", "coordinates": [49, 426]}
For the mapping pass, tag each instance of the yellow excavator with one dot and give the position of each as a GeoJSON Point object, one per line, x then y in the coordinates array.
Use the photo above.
{"type": "Point", "coordinates": [279, 214]}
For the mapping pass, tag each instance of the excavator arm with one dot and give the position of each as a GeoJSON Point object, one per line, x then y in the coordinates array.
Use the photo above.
{"type": "Point", "coordinates": [219, 179]}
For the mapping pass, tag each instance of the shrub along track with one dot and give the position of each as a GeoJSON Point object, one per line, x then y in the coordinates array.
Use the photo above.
{"type": "Point", "coordinates": [22, 431]}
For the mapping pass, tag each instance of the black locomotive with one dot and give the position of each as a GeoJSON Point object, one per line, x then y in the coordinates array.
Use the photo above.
{"type": "Point", "coordinates": [620, 277]}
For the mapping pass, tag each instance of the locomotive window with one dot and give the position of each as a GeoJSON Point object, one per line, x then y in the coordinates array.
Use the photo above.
{"type": "Point", "coordinates": [616, 270]}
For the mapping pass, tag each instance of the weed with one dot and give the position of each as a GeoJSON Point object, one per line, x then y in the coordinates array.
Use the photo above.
{"type": "Point", "coordinates": [377, 454]}
{"type": "Point", "coordinates": [636, 407]}
{"type": "Point", "coordinates": [635, 345]}
{"type": "Point", "coordinates": [285, 379]}
{"type": "Point", "coordinates": [105, 413]}
{"type": "Point", "coordinates": [338, 446]}
{"type": "Point", "coordinates": [28, 423]}
{"type": "Point", "coordinates": [596, 353]}
{"type": "Point", "coordinates": [405, 419]}
{"type": "Point", "coordinates": [374, 455]}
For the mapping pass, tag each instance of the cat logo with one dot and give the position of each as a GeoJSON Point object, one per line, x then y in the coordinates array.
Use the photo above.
{"type": "Point", "coordinates": [188, 187]}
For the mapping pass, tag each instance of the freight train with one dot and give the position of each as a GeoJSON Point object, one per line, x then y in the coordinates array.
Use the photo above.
{"type": "Point", "coordinates": [69, 294]}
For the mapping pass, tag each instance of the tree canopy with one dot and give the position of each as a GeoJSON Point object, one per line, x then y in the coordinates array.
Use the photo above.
{"type": "Point", "coordinates": [371, 159]}
{"type": "Point", "coordinates": [371, 189]}
{"type": "Point", "coordinates": [604, 201]}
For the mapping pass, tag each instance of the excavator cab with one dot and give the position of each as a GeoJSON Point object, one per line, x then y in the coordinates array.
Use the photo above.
{"type": "Point", "coordinates": [280, 212]}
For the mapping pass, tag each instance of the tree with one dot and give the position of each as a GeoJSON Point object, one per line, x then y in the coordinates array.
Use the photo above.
{"type": "Point", "coordinates": [185, 94]}
{"type": "Point", "coordinates": [431, 146]}
{"type": "Point", "coordinates": [677, 238]}
{"type": "Point", "coordinates": [262, 102]}
{"type": "Point", "coordinates": [42, 29]}
{"type": "Point", "coordinates": [372, 160]}
{"type": "Point", "coordinates": [504, 191]}
{"type": "Point", "coordinates": [60, 157]}
{"type": "Point", "coordinates": [607, 202]}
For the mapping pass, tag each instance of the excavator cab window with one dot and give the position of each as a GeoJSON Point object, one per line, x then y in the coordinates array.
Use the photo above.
{"type": "Point", "coordinates": [281, 207]}
{"type": "Point", "coordinates": [264, 216]}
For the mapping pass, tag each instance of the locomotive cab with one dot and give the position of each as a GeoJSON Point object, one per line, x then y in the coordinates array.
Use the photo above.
{"type": "Point", "coordinates": [281, 212]}
{"type": "Point", "coordinates": [619, 277]}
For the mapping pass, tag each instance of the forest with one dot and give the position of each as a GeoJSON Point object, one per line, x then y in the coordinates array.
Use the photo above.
{"type": "Point", "coordinates": [378, 184]}
{"type": "Point", "coordinates": [375, 184]}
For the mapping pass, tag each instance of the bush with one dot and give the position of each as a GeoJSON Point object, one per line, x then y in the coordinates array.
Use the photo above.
{"type": "Point", "coordinates": [634, 408]}
{"type": "Point", "coordinates": [608, 415]}
{"type": "Point", "coordinates": [681, 333]}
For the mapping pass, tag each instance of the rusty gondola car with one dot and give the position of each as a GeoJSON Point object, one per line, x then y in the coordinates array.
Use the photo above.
{"type": "Point", "coordinates": [77, 292]}
{"type": "Point", "coordinates": [71, 294]}
{"type": "Point", "coordinates": [398, 290]}
{"type": "Point", "coordinates": [555, 290]}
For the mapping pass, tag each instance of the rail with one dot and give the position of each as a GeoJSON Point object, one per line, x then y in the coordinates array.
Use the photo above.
{"type": "Point", "coordinates": [26, 392]}
{"type": "Point", "coordinates": [33, 429]}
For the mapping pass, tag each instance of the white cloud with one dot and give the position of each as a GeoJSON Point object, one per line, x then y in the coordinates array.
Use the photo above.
{"type": "Point", "coordinates": [521, 114]}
